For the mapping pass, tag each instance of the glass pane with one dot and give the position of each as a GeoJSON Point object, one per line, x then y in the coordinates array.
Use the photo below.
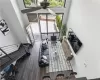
{"type": "Point", "coordinates": [44, 36]}
{"type": "Point", "coordinates": [59, 21]}
{"type": "Point", "coordinates": [29, 3]}
{"type": "Point", "coordinates": [54, 23]}
{"type": "Point", "coordinates": [53, 3]}
{"type": "Point", "coordinates": [51, 23]}
{"type": "Point", "coordinates": [43, 25]}
{"type": "Point", "coordinates": [56, 3]}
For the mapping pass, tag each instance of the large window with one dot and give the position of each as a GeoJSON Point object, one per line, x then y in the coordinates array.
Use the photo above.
{"type": "Point", "coordinates": [56, 3]}
{"type": "Point", "coordinates": [50, 25]}
{"type": "Point", "coordinates": [29, 3]}
{"type": "Point", "coordinates": [53, 3]}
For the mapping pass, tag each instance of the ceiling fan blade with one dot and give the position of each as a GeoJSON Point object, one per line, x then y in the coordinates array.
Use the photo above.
{"type": "Point", "coordinates": [26, 10]}
{"type": "Point", "coordinates": [52, 12]}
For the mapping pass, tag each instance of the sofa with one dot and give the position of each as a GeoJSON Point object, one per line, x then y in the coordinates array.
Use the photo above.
{"type": "Point", "coordinates": [43, 59]}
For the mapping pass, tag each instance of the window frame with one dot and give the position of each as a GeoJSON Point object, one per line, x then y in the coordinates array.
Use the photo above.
{"type": "Point", "coordinates": [37, 1]}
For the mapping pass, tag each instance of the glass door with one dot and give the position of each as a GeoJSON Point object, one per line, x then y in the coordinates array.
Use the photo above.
{"type": "Point", "coordinates": [50, 25]}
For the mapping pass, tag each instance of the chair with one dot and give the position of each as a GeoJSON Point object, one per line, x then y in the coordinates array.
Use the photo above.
{"type": "Point", "coordinates": [60, 77]}
{"type": "Point", "coordinates": [46, 78]}
{"type": "Point", "coordinates": [53, 38]}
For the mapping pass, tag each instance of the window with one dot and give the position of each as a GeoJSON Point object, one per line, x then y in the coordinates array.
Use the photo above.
{"type": "Point", "coordinates": [53, 3]}
{"type": "Point", "coordinates": [29, 3]}
{"type": "Point", "coordinates": [56, 3]}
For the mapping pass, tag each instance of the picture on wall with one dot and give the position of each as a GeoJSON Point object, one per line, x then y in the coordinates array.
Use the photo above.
{"type": "Point", "coordinates": [4, 27]}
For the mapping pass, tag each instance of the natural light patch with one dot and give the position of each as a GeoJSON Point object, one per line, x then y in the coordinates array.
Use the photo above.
{"type": "Point", "coordinates": [56, 3]}
{"type": "Point", "coordinates": [27, 2]}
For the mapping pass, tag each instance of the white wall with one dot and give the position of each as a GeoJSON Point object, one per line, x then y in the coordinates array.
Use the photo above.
{"type": "Point", "coordinates": [11, 15]}
{"type": "Point", "coordinates": [21, 6]}
{"type": "Point", "coordinates": [18, 13]}
{"type": "Point", "coordinates": [9, 39]}
{"type": "Point", "coordinates": [17, 34]}
{"type": "Point", "coordinates": [22, 18]}
{"type": "Point", "coordinates": [84, 19]}
{"type": "Point", "coordinates": [66, 11]}
{"type": "Point", "coordinates": [18, 6]}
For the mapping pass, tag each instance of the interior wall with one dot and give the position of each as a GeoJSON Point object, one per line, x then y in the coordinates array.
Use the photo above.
{"type": "Point", "coordinates": [23, 19]}
{"type": "Point", "coordinates": [11, 15]}
{"type": "Point", "coordinates": [9, 39]}
{"type": "Point", "coordinates": [66, 11]}
{"type": "Point", "coordinates": [21, 6]}
{"type": "Point", "coordinates": [84, 19]}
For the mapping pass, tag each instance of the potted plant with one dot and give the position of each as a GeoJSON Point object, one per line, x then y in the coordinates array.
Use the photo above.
{"type": "Point", "coordinates": [58, 22]}
{"type": "Point", "coordinates": [63, 32]}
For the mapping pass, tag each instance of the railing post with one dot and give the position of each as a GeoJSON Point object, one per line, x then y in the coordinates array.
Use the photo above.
{"type": "Point", "coordinates": [32, 33]}
{"type": "Point", "coordinates": [5, 53]}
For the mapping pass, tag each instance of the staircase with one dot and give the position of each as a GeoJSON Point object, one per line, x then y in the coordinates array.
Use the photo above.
{"type": "Point", "coordinates": [8, 58]}
{"type": "Point", "coordinates": [9, 49]}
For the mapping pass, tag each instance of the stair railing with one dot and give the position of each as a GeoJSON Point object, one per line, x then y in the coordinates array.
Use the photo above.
{"type": "Point", "coordinates": [4, 52]}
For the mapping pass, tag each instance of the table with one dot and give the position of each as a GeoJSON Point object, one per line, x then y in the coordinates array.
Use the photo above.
{"type": "Point", "coordinates": [57, 59]}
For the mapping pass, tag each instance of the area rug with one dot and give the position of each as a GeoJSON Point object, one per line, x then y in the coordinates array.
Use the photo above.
{"type": "Point", "coordinates": [57, 59]}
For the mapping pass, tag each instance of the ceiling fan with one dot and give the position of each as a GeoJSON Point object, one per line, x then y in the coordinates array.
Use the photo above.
{"type": "Point", "coordinates": [43, 5]}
